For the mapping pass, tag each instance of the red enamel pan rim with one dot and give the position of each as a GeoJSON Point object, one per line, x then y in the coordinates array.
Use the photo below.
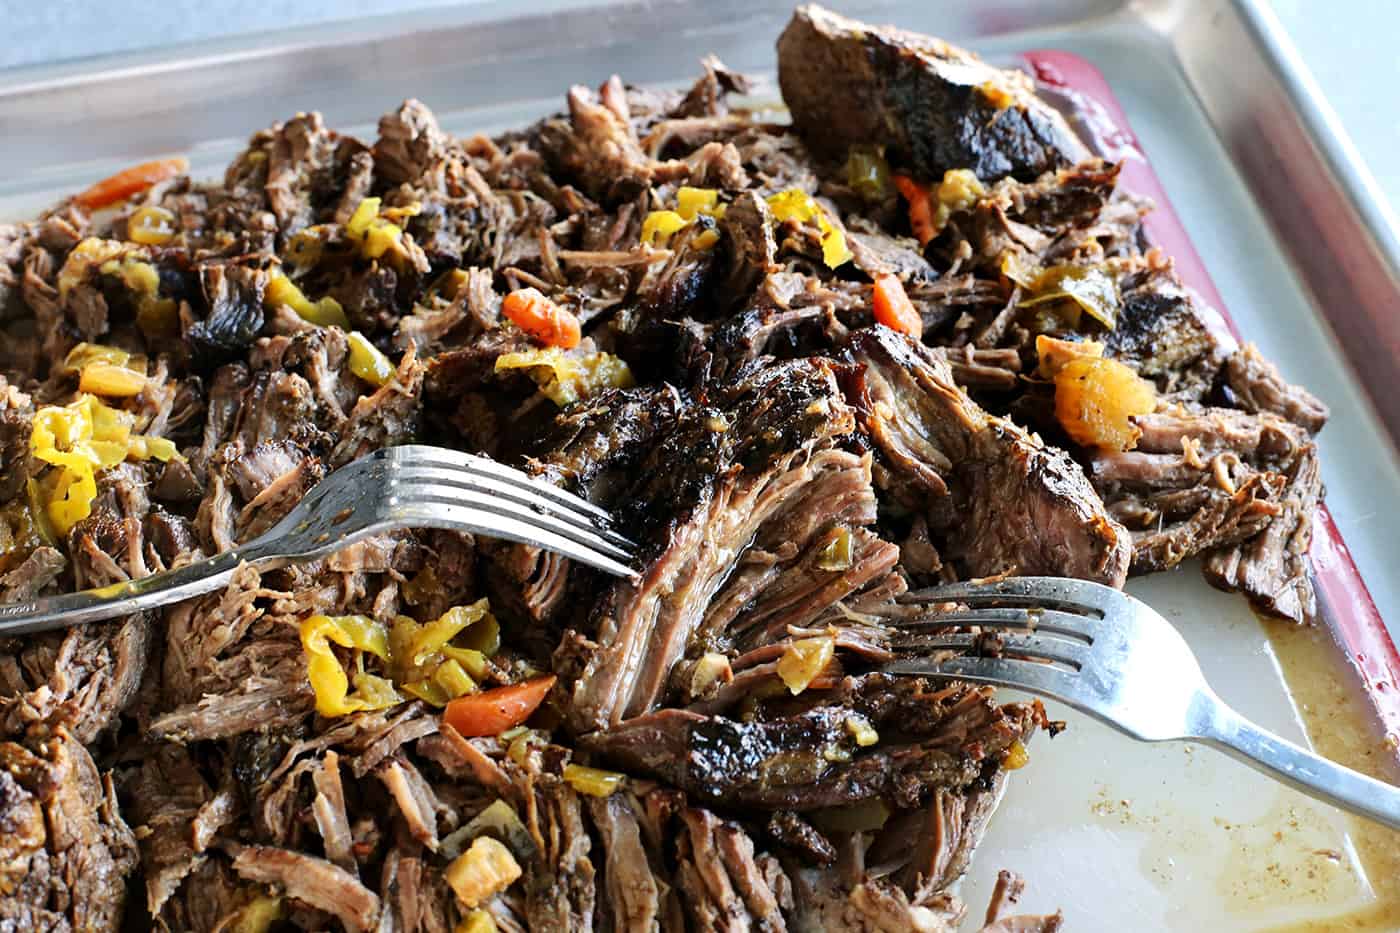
{"type": "Point", "coordinates": [1345, 602]}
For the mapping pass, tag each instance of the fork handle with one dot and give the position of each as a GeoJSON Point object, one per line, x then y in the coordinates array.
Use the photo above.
{"type": "Point", "coordinates": [1312, 774]}
{"type": "Point", "coordinates": [119, 599]}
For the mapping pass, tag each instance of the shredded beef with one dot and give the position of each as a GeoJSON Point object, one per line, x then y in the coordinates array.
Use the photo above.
{"type": "Point", "coordinates": [314, 881]}
{"type": "Point", "coordinates": [787, 464]}
{"type": "Point", "coordinates": [1005, 501]}
{"type": "Point", "coordinates": [66, 851]}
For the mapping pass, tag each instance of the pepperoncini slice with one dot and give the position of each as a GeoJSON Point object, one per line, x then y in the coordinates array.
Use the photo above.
{"type": "Point", "coordinates": [34, 498]}
{"type": "Point", "coordinates": [305, 249]}
{"type": "Point", "coordinates": [838, 553]}
{"type": "Point", "coordinates": [1019, 268]}
{"type": "Point", "coordinates": [421, 587]}
{"type": "Point", "coordinates": [142, 447]}
{"type": "Point", "coordinates": [471, 660]}
{"type": "Point", "coordinates": [71, 498]}
{"type": "Point", "coordinates": [659, 226]}
{"type": "Point", "coordinates": [151, 226]}
{"type": "Point", "coordinates": [564, 379]}
{"type": "Point", "coordinates": [481, 872]}
{"type": "Point", "coordinates": [794, 205]}
{"type": "Point", "coordinates": [867, 173]}
{"type": "Point", "coordinates": [1089, 287]}
{"type": "Point", "coordinates": [328, 677]}
{"type": "Point", "coordinates": [366, 634]}
{"type": "Point", "coordinates": [860, 727]}
{"type": "Point", "coordinates": [112, 381]}
{"type": "Point", "coordinates": [803, 660]}
{"type": "Point", "coordinates": [521, 743]}
{"type": "Point", "coordinates": [399, 214]}
{"type": "Point", "coordinates": [797, 206]}
{"type": "Point", "coordinates": [478, 921]}
{"type": "Point", "coordinates": [692, 201]}
{"type": "Point", "coordinates": [376, 235]}
{"type": "Point", "coordinates": [1016, 756]}
{"type": "Point", "coordinates": [283, 291]}
{"type": "Point", "coordinates": [483, 637]}
{"type": "Point", "coordinates": [428, 691]}
{"type": "Point", "coordinates": [139, 276]}
{"type": "Point", "coordinates": [996, 95]}
{"type": "Point", "coordinates": [430, 638]}
{"type": "Point", "coordinates": [418, 660]}
{"type": "Point", "coordinates": [85, 353]}
{"type": "Point", "coordinates": [374, 691]}
{"type": "Point", "coordinates": [159, 318]}
{"type": "Point", "coordinates": [90, 252]}
{"type": "Point", "coordinates": [258, 915]}
{"type": "Point", "coordinates": [367, 362]}
{"type": "Point", "coordinates": [381, 238]}
{"type": "Point", "coordinates": [835, 252]}
{"type": "Point", "coordinates": [960, 190]}
{"type": "Point", "coordinates": [79, 439]}
{"type": "Point", "coordinates": [365, 214]}
{"type": "Point", "coordinates": [453, 678]}
{"type": "Point", "coordinates": [593, 781]}
{"type": "Point", "coordinates": [129, 263]}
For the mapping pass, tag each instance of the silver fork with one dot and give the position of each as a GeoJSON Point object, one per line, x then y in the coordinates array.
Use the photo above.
{"type": "Point", "coordinates": [413, 486]}
{"type": "Point", "coordinates": [1113, 657]}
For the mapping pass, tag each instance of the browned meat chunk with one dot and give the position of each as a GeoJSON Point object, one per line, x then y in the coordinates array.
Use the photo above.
{"type": "Point", "coordinates": [65, 851]}
{"type": "Point", "coordinates": [1257, 385]}
{"type": "Point", "coordinates": [1004, 501]}
{"type": "Point", "coordinates": [1167, 333]}
{"type": "Point", "coordinates": [789, 764]}
{"type": "Point", "coordinates": [936, 106]}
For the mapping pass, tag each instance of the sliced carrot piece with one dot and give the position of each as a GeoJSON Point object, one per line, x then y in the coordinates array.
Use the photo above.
{"type": "Point", "coordinates": [494, 711]}
{"type": "Point", "coordinates": [894, 309]}
{"type": "Point", "coordinates": [130, 181]}
{"type": "Point", "coordinates": [545, 322]}
{"type": "Point", "coordinates": [920, 198]}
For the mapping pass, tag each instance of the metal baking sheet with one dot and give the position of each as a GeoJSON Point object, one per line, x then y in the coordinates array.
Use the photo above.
{"type": "Point", "coordinates": [1269, 214]}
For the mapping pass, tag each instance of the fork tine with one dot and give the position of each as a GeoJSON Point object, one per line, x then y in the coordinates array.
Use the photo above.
{"type": "Point", "coordinates": [530, 498]}
{"type": "Point", "coordinates": [530, 518]}
{"type": "Point", "coordinates": [456, 514]}
{"type": "Point", "coordinates": [1030, 676]}
{"type": "Point", "coordinates": [1051, 592]}
{"type": "Point", "coordinates": [424, 455]}
{"type": "Point", "coordinates": [1047, 620]}
{"type": "Point", "coordinates": [1073, 653]}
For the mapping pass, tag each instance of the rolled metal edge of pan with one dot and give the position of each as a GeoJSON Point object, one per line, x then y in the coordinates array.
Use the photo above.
{"type": "Point", "coordinates": [1320, 198]}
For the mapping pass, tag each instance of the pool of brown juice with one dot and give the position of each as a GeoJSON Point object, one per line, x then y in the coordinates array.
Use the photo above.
{"type": "Point", "coordinates": [1331, 704]}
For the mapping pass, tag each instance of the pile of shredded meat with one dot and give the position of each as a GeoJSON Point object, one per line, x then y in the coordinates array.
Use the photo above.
{"type": "Point", "coordinates": [913, 335]}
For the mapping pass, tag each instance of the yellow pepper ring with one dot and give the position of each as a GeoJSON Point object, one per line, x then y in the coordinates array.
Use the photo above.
{"type": "Point", "coordinates": [797, 206]}
{"type": "Point", "coordinates": [419, 658]}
